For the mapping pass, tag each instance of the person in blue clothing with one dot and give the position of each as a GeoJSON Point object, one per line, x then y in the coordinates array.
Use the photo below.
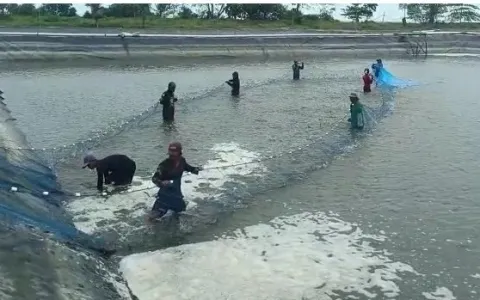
{"type": "Point", "coordinates": [168, 178]}
{"type": "Point", "coordinates": [376, 67]}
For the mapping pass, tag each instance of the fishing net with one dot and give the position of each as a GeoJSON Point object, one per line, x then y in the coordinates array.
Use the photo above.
{"type": "Point", "coordinates": [35, 182]}
{"type": "Point", "coordinates": [387, 79]}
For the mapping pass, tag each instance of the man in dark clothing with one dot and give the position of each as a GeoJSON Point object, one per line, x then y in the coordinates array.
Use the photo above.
{"type": "Point", "coordinates": [168, 178]}
{"type": "Point", "coordinates": [115, 169]}
{"type": "Point", "coordinates": [296, 70]}
{"type": "Point", "coordinates": [234, 83]}
{"type": "Point", "coordinates": [167, 100]}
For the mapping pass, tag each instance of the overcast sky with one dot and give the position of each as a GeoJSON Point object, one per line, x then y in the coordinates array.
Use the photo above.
{"type": "Point", "coordinates": [390, 11]}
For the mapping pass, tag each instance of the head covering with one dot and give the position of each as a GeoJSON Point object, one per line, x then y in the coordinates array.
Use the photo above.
{"type": "Point", "coordinates": [353, 96]}
{"type": "Point", "coordinates": [88, 159]}
{"type": "Point", "coordinates": [175, 147]}
{"type": "Point", "coordinates": [171, 85]}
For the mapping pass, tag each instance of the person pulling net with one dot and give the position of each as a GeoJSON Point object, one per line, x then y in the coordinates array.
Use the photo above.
{"type": "Point", "coordinates": [386, 79]}
{"type": "Point", "coordinates": [168, 178]}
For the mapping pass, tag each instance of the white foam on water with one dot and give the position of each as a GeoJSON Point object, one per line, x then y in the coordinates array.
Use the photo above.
{"type": "Point", "coordinates": [476, 276]}
{"type": "Point", "coordinates": [92, 214]}
{"type": "Point", "coordinates": [441, 293]}
{"type": "Point", "coordinates": [309, 255]}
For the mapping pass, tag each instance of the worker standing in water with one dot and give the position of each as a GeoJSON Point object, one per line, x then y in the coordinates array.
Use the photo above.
{"type": "Point", "coordinates": [168, 178]}
{"type": "Point", "coordinates": [296, 70]}
{"type": "Point", "coordinates": [356, 112]}
{"type": "Point", "coordinates": [117, 169]}
{"type": "Point", "coordinates": [168, 100]}
{"type": "Point", "coordinates": [234, 83]}
{"type": "Point", "coordinates": [367, 81]}
{"type": "Point", "coordinates": [377, 67]}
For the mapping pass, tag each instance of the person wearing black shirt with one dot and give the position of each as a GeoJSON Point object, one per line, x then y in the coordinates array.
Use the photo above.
{"type": "Point", "coordinates": [167, 100]}
{"type": "Point", "coordinates": [296, 70]}
{"type": "Point", "coordinates": [116, 169]}
{"type": "Point", "coordinates": [234, 83]}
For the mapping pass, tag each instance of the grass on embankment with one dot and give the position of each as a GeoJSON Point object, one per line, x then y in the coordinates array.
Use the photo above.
{"type": "Point", "coordinates": [153, 22]}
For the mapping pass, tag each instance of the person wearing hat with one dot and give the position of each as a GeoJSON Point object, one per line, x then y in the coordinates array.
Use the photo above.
{"type": "Point", "coordinates": [167, 100]}
{"type": "Point", "coordinates": [168, 178]}
{"type": "Point", "coordinates": [116, 169]}
{"type": "Point", "coordinates": [356, 112]}
{"type": "Point", "coordinates": [234, 83]}
{"type": "Point", "coordinates": [296, 70]}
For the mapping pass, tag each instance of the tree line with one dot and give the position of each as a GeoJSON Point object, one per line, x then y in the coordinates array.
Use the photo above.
{"type": "Point", "coordinates": [435, 13]}
{"type": "Point", "coordinates": [418, 13]}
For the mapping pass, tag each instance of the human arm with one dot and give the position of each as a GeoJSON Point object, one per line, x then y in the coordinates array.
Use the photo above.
{"type": "Point", "coordinates": [193, 170]}
{"type": "Point", "coordinates": [301, 68]}
{"type": "Point", "coordinates": [158, 177]}
{"type": "Point", "coordinates": [229, 82]}
{"type": "Point", "coordinates": [100, 176]}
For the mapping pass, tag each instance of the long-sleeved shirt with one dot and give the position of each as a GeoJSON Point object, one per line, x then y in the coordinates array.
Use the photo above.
{"type": "Point", "coordinates": [168, 98]}
{"type": "Point", "coordinates": [170, 169]}
{"type": "Point", "coordinates": [114, 167]}
{"type": "Point", "coordinates": [296, 71]}
{"type": "Point", "coordinates": [235, 84]}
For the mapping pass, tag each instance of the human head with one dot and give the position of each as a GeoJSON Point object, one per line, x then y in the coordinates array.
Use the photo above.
{"type": "Point", "coordinates": [172, 86]}
{"type": "Point", "coordinates": [353, 97]}
{"type": "Point", "coordinates": [295, 62]}
{"type": "Point", "coordinates": [366, 71]}
{"type": "Point", "coordinates": [379, 61]}
{"type": "Point", "coordinates": [89, 161]}
{"type": "Point", "coordinates": [175, 150]}
{"type": "Point", "coordinates": [235, 75]}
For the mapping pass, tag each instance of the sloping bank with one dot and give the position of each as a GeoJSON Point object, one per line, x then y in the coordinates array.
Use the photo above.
{"type": "Point", "coordinates": [165, 47]}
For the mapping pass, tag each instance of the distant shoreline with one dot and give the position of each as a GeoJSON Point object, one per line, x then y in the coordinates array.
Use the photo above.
{"type": "Point", "coordinates": [155, 48]}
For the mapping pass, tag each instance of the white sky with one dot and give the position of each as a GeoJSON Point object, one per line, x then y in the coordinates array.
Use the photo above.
{"type": "Point", "coordinates": [391, 11]}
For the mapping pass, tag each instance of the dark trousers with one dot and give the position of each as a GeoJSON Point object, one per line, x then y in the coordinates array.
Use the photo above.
{"type": "Point", "coordinates": [366, 89]}
{"type": "Point", "coordinates": [123, 178]}
{"type": "Point", "coordinates": [165, 201]}
{"type": "Point", "coordinates": [168, 113]}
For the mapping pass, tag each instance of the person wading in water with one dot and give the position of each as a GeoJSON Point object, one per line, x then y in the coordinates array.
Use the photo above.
{"type": "Point", "coordinates": [296, 70]}
{"type": "Point", "coordinates": [367, 81]}
{"type": "Point", "coordinates": [234, 83]}
{"type": "Point", "coordinates": [167, 100]}
{"type": "Point", "coordinates": [168, 178]}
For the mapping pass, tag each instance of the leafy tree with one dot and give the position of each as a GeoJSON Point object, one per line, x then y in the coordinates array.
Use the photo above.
{"type": "Point", "coordinates": [212, 11]}
{"type": "Point", "coordinates": [62, 10]}
{"type": "Point", "coordinates": [25, 10]}
{"type": "Point", "coordinates": [356, 12]}
{"type": "Point", "coordinates": [96, 12]}
{"type": "Point", "coordinates": [162, 10]}
{"type": "Point", "coordinates": [128, 10]}
{"type": "Point", "coordinates": [326, 12]}
{"type": "Point", "coordinates": [463, 13]}
{"type": "Point", "coordinates": [234, 11]}
{"type": "Point", "coordinates": [256, 11]}
{"type": "Point", "coordinates": [186, 13]}
{"type": "Point", "coordinates": [425, 13]}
